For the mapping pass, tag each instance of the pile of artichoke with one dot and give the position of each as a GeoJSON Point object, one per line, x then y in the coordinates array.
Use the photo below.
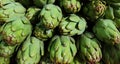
{"type": "Point", "coordinates": [59, 31]}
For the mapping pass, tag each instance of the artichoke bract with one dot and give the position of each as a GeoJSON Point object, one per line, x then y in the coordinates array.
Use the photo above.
{"type": "Point", "coordinates": [42, 33]}
{"type": "Point", "coordinates": [41, 3]}
{"type": "Point", "coordinates": [106, 31]}
{"type": "Point", "coordinates": [16, 30]}
{"type": "Point", "coordinates": [4, 60]}
{"type": "Point", "coordinates": [6, 50]}
{"type": "Point", "coordinates": [32, 14]}
{"type": "Point", "coordinates": [4, 2]}
{"type": "Point", "coordinates": [89, 48]}
{"type": "Point", "coordinates": [70, 6]}
{"type": "Point", "coordinates": [62, 49]}
{"type": "Point", "coordinates": [72, 25]}
{"type": "Point", "coordinates": [94, 9]}
{"type": "Point", "coordinates": [31, 51]}
{"type": "Point", "coordinates": [11, 10]}
{"type": "Point", "coordinates": [50, 16]}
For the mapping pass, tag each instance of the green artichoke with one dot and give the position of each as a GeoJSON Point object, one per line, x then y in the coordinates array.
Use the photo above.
{"type": "Point", "coordinates": [111, 54]}
{"type": "Point", "coordinates": [50, 16]}
{"type": "Point", "coordinates": [6, 50]}
{"type": "Point", "coordinates": [94, 9]}
{"type": "Point", "coordinates": [42, 33]}
{"type": "Point", "coordinates": [72, 25]}
{"type": "Point", "coordinates": [16, 30]}
{"type": "Point", "coordinates": [89, 48]}
{"type": "Point", "coordinates": [11, 10]}
{"type": "Point", "coordinates": [30, 52]}
{"type": "Point", "coordinates": [41, 3]}
{"type": "Point", "coordinates": [106, 31]}
{"type": "Point", "coordinates": [4, 60]}
{"type": "Point", "coordinates": [32, 14]}
{"type": "Point", "coordinates": [62, 49]}
{"type": "Point", "coordinates": [70, 6]}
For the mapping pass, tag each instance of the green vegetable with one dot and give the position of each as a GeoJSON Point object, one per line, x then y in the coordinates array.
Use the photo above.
{"type": "Point", "coordinates": [62, 49]}
{"type": "Point", "coordinates": [31, 51]}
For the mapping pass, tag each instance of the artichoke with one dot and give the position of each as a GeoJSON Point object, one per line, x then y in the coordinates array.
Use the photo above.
{"type": "Point", "coordinates": [32, 14]}
{"type": "Point", "coordinates": [94, 9]}
{"type": "Point", "coordinates": [89, 48]}
{"type": "Point", "coordinates": [50, 16]}
{"type": "Point", "coordinates": [72, 25]}
{"type": "Point", "coordinates": [41, 3]}
{"type": "Point", "coordinates": [6, 50]}
{"type": "Point", "coordinates": [4, 60]}
{"type": "Point", "coordinates": [30, 52]}
{"type": "Point", "coordinates": [42, 33]}
{"type": "Point", "coordinates": [70, 6]}
{"type": "Point", "coordinates": [11, 10]}
{"type": "Point", "coordinates": [16, 30]}
{"type": "Point", "coordinates": [106, 31]}
{"type": "Point", "coordinates": [62, 49]}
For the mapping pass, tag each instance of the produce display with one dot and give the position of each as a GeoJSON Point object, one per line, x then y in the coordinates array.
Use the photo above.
{"type": "Point", "coordinates": [59, 31]}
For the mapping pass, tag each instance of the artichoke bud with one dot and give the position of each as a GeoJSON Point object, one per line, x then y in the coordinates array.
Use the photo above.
{"type": "Point", "coordinates": [14, 32]}
{"type": "Point", "coordinates": [31, 51]}
{"type": "Point", "coordinates": [62, 49]}
{"type": "Point", "coordinates": [50, 16]}
{"type": "Point", "coordinates": [89, 48]}
{"type": "Point", "coordinates": [71, 6]}
{"type": "Point", "coordinates": [106, 31]}
{"type": "Point", "coordinates": [94, 9]}
{"type": "Point", "coordinates": [42, 33]}
{"type": "Point", "coordinates": [72, 25]}
{"type": "Point", "coordinates": [11, 10]}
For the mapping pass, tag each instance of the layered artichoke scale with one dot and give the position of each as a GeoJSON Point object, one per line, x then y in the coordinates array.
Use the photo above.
{"type": "Point", "coordinates": [59, 31]}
